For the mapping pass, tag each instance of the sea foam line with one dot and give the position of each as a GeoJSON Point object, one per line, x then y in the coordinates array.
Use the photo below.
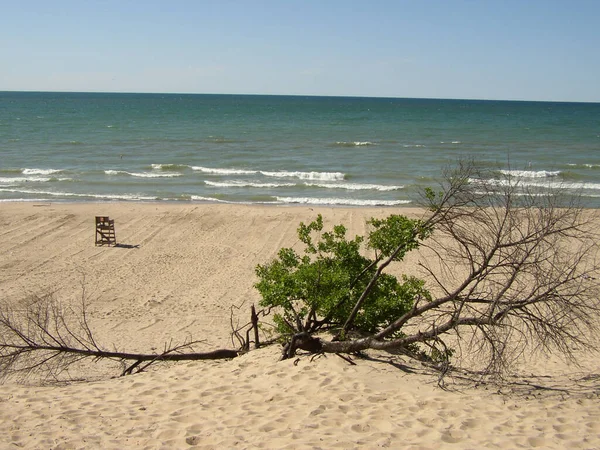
{"type": "Point", "coordinates": [324, 176]}
{"type": "Point", "coordinates": [169, 166]}
{"type": "Point", "coordinates": [24, 179]}
{"type": "Point", "coordinates": [247, 184]}
{"type": "Point", "coordinates": [341, 201]}
{"type": "Point", "coordinates": [73, 194]}
{"type": "Point", "coordinates": [142, 174]}
{"type": "Point", "coordinates": [331, 176]}
{"type": "Point", "coordinates": [40, 171]}
{"type": "Point", "coordinates": [354, 143]}
{"type": "Point", "coordinates": [587, 166]}
{"type": "Point", "coordinates": [356, 186]}
{"type": "Point", "coordinates": [199, 198]}
{"type": "Point", "coordinates": [538, 184]}
{"type": "Point", "coordinates": [224, 171]}
{"type": "Point", "coordinates": [530, 173]}
{"type": "Point", "coordinates": [9, 200]}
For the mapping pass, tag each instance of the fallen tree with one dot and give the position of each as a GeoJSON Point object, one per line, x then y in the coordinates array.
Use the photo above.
{"type": "Point", "coordinates": [512, 268]}
{"type": "Point", "coordinates": [503, 268]}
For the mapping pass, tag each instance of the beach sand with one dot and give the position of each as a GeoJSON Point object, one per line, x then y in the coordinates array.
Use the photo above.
{"type": "Point", "coordinates": [180, 270]}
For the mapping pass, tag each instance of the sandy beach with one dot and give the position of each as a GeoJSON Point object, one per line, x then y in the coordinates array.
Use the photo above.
{"type": "Point", "coordinates": [179, 271]}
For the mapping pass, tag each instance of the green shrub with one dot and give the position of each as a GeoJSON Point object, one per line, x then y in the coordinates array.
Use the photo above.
{"type": "Point", "coordinates": [319, 288]}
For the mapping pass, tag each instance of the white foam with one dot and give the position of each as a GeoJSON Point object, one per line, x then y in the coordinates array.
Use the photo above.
{"type": "Point", "coordinates": [356, 186]}
{"type": "Point", "coordinates": [247, 184]}
{"type": "Point", "coordinates": [168, 166]}
{"type": "Point", "coordinates": [199, 198]}
{"type": "Point", "coordinates": [24, 179]}
{"type": "Point", "coordinates": [324, 176]}
{"type": "Point", "coordinates": [40, 171]}
{"type": "Point", "coordinates": [587, 166]}
{"type": "Point", "coordinates": [73, 194]}
{"type": "Point", "coordinates": [547, 184]}
{"type": "Point", "coordinates": [9, 200]}
{"type": "Point", "coordinates": [341, 201]}
{"type": "Point", "coordinates": [530, 173]}
{"type": "Point", "coordinates": [224, 171]}
{"type": "Point", "coordinates": [355, 143]}
{"type": "Point", "coordinates": [142, 174]}
{"type": "Point", "coordinates": [153, 175]}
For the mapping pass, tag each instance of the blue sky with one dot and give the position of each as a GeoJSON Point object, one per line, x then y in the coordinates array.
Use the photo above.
{"type": "Point", "coordinates": [523, 50]}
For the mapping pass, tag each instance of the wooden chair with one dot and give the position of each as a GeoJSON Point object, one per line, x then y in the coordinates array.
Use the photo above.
{"type": "Point", "coordinates": [105, 231]}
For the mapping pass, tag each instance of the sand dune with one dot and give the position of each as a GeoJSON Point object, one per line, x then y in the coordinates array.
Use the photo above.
{"type": "Point", "coordinates": [181, 269]}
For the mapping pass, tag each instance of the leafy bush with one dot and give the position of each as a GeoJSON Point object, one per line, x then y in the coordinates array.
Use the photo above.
{"type": "Point", "coordinates": [319, 288]}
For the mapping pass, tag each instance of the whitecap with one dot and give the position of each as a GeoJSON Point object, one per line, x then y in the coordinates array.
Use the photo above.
{"type": "Point", "coordinates": [224, 171]}
{"type": "Point", "coordinates": [169, 166]}
{"type": "Point", "coordinates": [356, 186]}
{"type": "Point", "coordinates": [153, 175]}
{"type": "Point", "coordinates": [24, 179]}
{"type": "Point", "coordinates": [330, 176]}
{"type": "Point", "coordinates": [142, 174]}
{"type": "Point", "coordinates": [530, 173]}
{"type": "Point", "coordinates": [354, 143]}
{"type": "Point", "coordinates": [587, 166]}
{"type": "Point", "coordinates": [341, 201]}
{"type": "Point", "coordinates": [547, 184]}
{"type": "Point", "coordinates": [39, 171]}
{"type": "Point", "coordinates": [247, 184]}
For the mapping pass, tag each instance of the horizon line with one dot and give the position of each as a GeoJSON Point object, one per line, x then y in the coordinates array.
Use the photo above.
{"type": "Point", "coordinates": [34, 91]}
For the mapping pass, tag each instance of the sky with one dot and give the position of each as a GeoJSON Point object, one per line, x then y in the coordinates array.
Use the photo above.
{"type": "Point", "coordinates": [472, 49]}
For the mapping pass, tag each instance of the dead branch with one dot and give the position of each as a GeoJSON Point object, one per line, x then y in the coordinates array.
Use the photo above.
{"type": "Point", "coordinates": [43, 336]}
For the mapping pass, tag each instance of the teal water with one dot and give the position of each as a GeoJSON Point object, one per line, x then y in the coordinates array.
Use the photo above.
{"type": "Point", "coordinates": [280, 149]}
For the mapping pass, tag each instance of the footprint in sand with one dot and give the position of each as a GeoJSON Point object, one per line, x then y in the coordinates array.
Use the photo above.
{"type": "Point", "coordinates": [452, 436]}
{"type": "Point", "coordinates": [470, 423]}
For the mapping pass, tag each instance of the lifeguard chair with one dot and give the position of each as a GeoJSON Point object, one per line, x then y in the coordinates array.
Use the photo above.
{"type": "Point", "coordinates": [105, 231]}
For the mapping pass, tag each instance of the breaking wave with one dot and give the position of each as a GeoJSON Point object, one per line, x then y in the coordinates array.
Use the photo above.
{"type": "Point", "coordinates": [142, 174]}
{"type": "Point", "coordinates": [546, 184]}
{"type": "Point", "coordinates": [247, 184]}
{"type": "Point", "coordinates": [354, 144]}
{"type": "Point", "coordinates": [530, 173]}
{"type": "Point", "coordinates": [40, 171]}
{"type": "Point", "coordinates": [341, 201]}
{"type": "Point", "coordinates": [24, 179]}
{"type": "Point", "coordinates": [169, 167]}
{"type": "Point", "coordinates": [131, 197]}
{"type": "Point", "coordinates": [224, 171]}
{"type": "Point", "coordinates": [325, 176]}
{"type": "Point", "coordinates": [356, 186]}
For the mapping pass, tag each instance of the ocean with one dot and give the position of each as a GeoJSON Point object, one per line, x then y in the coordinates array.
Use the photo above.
{"type": "Point", "coordinates": [82, 147]}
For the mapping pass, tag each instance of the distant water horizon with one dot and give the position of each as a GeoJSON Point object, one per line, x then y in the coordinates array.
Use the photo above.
{"type": "Point", "coordinates": [350, 96]}
{"type": "Point", "coordinates": [274, 149]}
